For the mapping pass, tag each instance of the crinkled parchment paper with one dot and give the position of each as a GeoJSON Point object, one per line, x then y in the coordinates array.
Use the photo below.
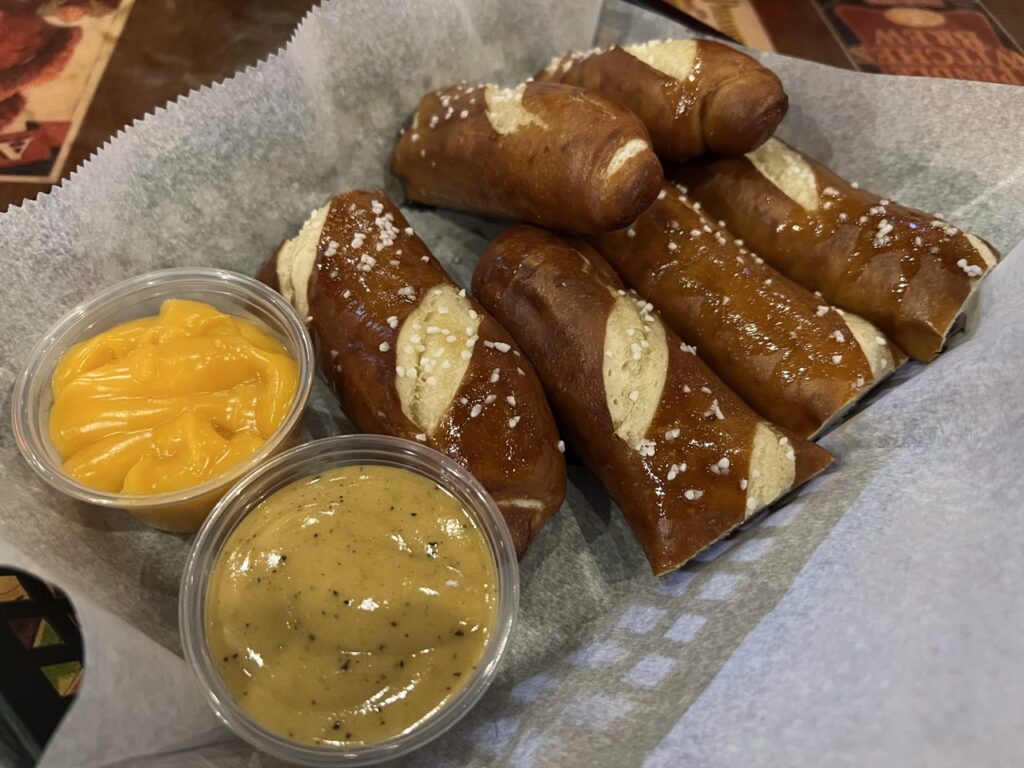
{"type": "Point", "coordinates": [875, 620]}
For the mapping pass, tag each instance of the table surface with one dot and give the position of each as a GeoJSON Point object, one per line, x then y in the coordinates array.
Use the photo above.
{"type": "Point", "coordinates": [167, 48]}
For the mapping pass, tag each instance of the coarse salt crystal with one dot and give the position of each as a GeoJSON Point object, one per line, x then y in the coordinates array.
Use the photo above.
{"type": "Point", "coordinates": [646, 447]}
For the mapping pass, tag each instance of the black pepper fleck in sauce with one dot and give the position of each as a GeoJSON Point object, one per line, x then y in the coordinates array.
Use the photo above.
{"type": "Point", "coordinates": [356, 650]}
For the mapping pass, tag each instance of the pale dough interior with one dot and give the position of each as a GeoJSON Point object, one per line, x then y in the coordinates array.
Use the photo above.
{"type": "Point", "coordinates": [429, 359]}
{"type": "Point", "coordinates": [788, 171]}
{"type": "Point", "coordinates": [505, 109]}
{"type": "Point", "coordinates": [772, 467]}
{"type": "Point", "coordinates": [983, 250]}
{"type": "Point", "coordinates": [874, 345]}
{"type": "Point", "coordinates": [674, 58]}
{"type": "Point", "coordinates": [635, 368]}
{"type": "Point", "coordinates": [624, 154]}
{"type": "Point", "coordinates": [296, 258]}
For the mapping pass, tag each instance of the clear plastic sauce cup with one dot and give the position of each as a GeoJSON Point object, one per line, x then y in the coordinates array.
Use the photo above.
{"type": "Point", "coordinates": [142, 296]}
{"type": "Point", "coordinates": [299, 463]}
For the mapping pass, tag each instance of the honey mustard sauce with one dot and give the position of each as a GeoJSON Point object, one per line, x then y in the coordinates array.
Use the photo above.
{"type": "Point", "coordinates": [349, 605]}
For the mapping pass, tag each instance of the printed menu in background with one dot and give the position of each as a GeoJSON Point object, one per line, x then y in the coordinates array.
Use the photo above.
{"type": "Point", "coordinates": [963, 39]}
{"type": "Point", "coordinates": [52, 56]}
{"type": "Point", "coordinates": [930, 38]}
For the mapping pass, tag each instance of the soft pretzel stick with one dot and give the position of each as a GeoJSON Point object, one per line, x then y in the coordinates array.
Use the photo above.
{"type": "Point", "coordinates": [798, 361]}
{"type": "Point", "coordinates": [410, 354]}
{"type": "Point", "coordinates": [694, 96]}
{"type": "Point", "coordinates": [545, 153]}
{"type": "Point", "coordinates": [684, 458]}
{"type": "Point", "coordinates": [908, 272]}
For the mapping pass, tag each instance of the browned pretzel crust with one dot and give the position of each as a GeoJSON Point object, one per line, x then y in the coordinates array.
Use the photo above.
{"type": "Point", "coordinates": [371, 274]}
{"type": "Point", "coordinates": [688, 479]}
{"type": "Point", "coordinates": [796, 360]}
{"type": "Point", "coordinates": [544, 153]}
{"type": "Point", "coordinates": [908, 272]}
{"type": "Point", "coordinates": [722, 101]}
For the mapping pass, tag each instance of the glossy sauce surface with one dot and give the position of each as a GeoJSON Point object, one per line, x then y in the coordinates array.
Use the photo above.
{"type": "Point", "coordinates": [169, 401]}
{"type": "Point", "coordinates": [349, 605]}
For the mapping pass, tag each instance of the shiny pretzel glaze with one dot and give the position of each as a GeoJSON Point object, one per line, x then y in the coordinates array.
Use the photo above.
{"type": "Point", "coordinates": [370, 277]}
{"type": "Point", "coordinates": [798, 361]}
{"type": "Point", "coordinates": [694, 96]}
{"type": "Point", "coordinates": [908, 272]}
{"type": "Point", "coordinates": [545, 153]}
{"type": "Point", "coordinates": [691, 475]}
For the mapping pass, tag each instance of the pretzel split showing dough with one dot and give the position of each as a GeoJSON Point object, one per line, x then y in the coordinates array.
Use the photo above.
{"type": "Point", "coordinates": [694, 96]}
{"type": "Point", "coordinates": [683, 456]}
{"type": "Point", "coordinates": [545, 153]}
{"type": "Point", "coordinates": [908, 272]}
{"type": "Point", "coordinates": [409, 354]}
{"type": "Point", "coordinates": [796, 360]}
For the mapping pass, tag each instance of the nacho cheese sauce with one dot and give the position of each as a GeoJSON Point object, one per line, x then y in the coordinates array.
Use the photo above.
{"type": "Point", "coordinates": [169, 401]}
{"type": "Point", "coordinates": [349, 605]}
